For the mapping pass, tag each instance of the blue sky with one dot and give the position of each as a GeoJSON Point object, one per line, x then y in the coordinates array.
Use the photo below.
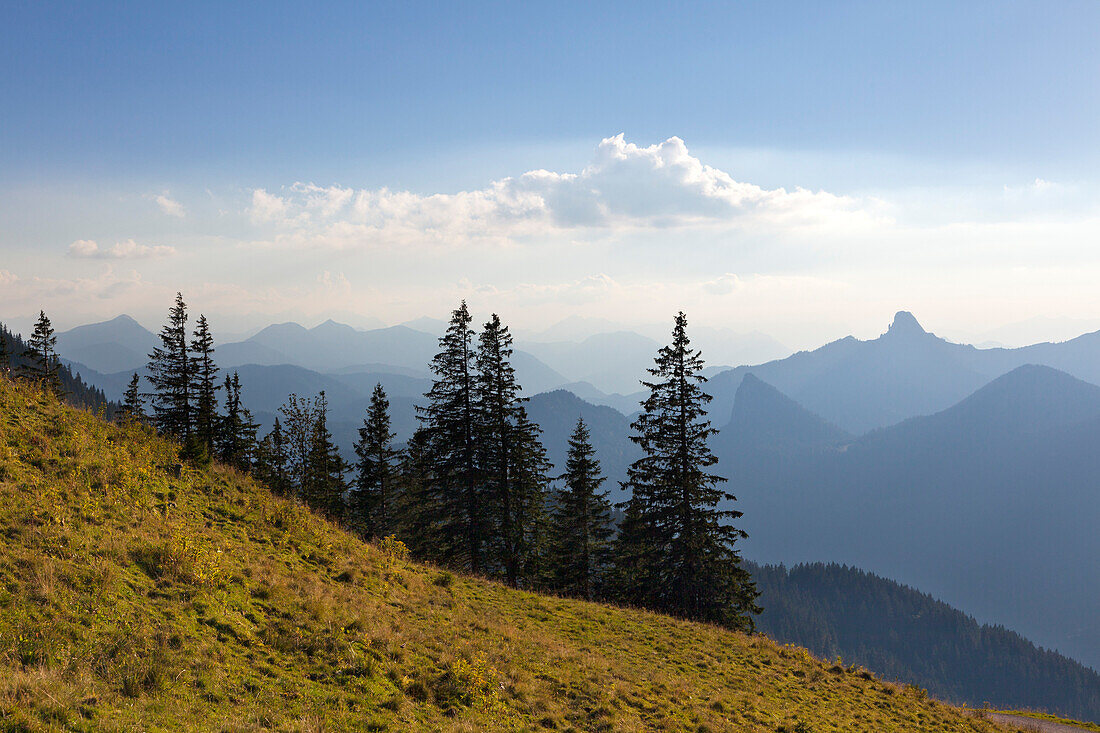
{"type": "Point", "coordinates": [948, 127]}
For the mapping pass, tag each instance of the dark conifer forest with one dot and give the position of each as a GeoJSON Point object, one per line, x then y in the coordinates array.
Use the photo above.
{"type": "Point", "coordinates": [900, 633]}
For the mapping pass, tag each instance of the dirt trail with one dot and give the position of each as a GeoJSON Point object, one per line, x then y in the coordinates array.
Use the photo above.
{"type": "Point", "coordinates": [1033, 724]}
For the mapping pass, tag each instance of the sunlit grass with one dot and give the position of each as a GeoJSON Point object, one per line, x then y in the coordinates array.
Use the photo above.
{"type": "Point", "coordinates": [133, 598]}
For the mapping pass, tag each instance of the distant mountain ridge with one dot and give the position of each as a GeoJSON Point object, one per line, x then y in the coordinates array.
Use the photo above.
{"type": "Point", "coordinates": [990, 504]}
{"type": "Point", "coordinates": [970, 475]}
{"type": "Point", "coordinates": [766, 419]}
{"type": "Point", "coordinates": [611, 362]}
{"type": "Point", "coordinates": [856, 385]}
{"type": "Point", "coordinates": [906, 372]}
{"type": "Point", "coordinates": [111, 346]}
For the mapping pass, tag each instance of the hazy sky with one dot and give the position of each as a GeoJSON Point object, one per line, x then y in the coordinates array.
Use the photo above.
{"type": "Point", "coordinates": [801, 169]}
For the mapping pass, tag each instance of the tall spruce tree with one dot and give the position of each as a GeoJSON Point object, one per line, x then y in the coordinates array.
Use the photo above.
{"type": "Point", "coordinates": [41, 363]}
{"type": "Point", "coordinates": [527, 562]}
{"type": "Point", "coordinates": [324, 481]}
{"type": "Point", "coordinates": [510, 457]}
{"type": "Point", "coordinates": [581, 523]}
{"type": "Point", "coordinates": [676, 549]}
{"type": "Point", "coordinates": [171, 376]}
{"type": "Point", "coordinates": [133, 404]}
{"type": "Point", "coordinates": [205, 386]}
{"type": "Point", "coordinates": [448, 424]}
{"type": "Point", "coordinates": [372, 496]}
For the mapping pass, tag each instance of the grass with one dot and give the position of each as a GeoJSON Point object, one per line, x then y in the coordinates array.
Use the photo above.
{"type": "Point", "coordinates": [135, 596]}
{"type": "Point", "coordinates": [1052, 718]}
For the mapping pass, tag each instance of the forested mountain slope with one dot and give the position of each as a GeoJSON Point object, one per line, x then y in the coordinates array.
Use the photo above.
{"type": "Point", "coordinates": [900, 633]}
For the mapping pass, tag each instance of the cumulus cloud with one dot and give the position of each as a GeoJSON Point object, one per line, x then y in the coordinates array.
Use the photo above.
{"type": "Point", "coordinates": [267, 207]}
{"type": "Point", "coordinates": [169, 206]}
{"type": "Point", "coordinates": [624, 187]}
{"type": "Point", "coordinates": [335, 283]}
{"type": "Point", "coordinates": [129, 249]}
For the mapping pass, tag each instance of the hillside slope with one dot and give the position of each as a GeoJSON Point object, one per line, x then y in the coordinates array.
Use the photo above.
{"type": "Point", "coordinates": [131, 598]}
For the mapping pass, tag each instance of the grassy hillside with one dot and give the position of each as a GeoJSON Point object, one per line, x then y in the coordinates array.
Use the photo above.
{"type": "Point", "coordinates": [135, 599]}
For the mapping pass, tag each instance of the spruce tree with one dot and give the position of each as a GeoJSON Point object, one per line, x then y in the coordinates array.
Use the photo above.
{"type": "Point", "coordinates": [581, 524]}
{"type": "Point", "coordinates": [372, 496]}
{"type": "Point", "coordinates": [205, 386]}
{"type": "Point", "coordinates": [453, 485]}
{"type": "Point", "coordinates": [527, 521]}
{"type": "Point", "coordinates": [271, 461]}
{"type": "Point", "coordinates": [170, 373]}
{"type": "Point", "coordinates": [133, 404]}
{"type": "Point", "coordinates": [5, 352]}
{"type": "Point", "coordinates": [417, 505]}
{"type": "Point", "coordinates": [40, 357]}
{"type": "Point", "coordinates": [324, 482]}
{"type": "Point", "coordinates": [676, 549]}
{"type": "Point", "coordinates": [236, 441]}
{"type": "Point", "coordinates": [510, 457]}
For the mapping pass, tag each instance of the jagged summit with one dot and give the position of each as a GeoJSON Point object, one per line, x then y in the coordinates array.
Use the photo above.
{"type": "Point", "coordinates": [905, 324]}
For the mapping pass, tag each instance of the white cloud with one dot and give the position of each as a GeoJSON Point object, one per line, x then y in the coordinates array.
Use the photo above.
{"type": "Point", "coordinates": [267, 207]}
{"type": "Point", "coordinates": [334, 283]}
{"type": "Point", "coordinates": [723, 285]}
{"type": "Point", "coordinates": [625, 187]}
{"type": "Point", "coordinates": [129, 249]}
{"type": "Point", "coordinates": [169, 206]}
{"type": "Point", "coordinates": [68, 296]}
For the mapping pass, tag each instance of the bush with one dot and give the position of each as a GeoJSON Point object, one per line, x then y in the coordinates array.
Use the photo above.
{"type": "Point", "coordinates": [179, 559]}
{"type": "Point", "coordinates": [393, 549]}
{"type": "Point", "coordinates": [465, 683]}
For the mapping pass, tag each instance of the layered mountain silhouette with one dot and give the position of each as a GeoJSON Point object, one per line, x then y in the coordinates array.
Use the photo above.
{"type": "Point", "coordinates": [990, 504]}
{"type": "Point", "coordinates": [115, 349]}
{"type": "Point", "coordinates": [111, 346]}
{"type": "Point", "coordinates": [906, 372]}
{"type": "Point", "coordinates": [557, 412]}
{"type": "Point", "coordinates": [610, 362]}
{"type": "Point", "coordinates": [862, 385]}
{"type": "Point", "coordinates": [766, 419]}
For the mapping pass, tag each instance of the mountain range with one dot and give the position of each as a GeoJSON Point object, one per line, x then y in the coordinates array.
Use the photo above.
{"type": "Point", "coordinates": [862, 385]}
